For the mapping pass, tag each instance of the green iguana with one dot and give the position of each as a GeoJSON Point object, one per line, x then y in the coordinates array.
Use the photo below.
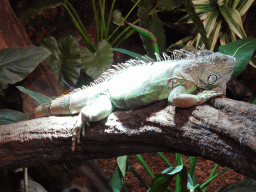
{"type": "Point", "coordinates": [140, 82]}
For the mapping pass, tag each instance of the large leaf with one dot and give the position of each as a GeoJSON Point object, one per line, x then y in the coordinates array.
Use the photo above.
{"type": "Point", "coordinates": [94, 64]}
{"type": "Point", "coordinates": [16, 63]}
{"type": "Point", "coordinates": [37, 7]}
{"type": "Point", "coordinates": [65, 61]}
{"type": "Point", "coordinates": [233, 19]}
{"type": "Point", "coordinates": [242, 50]}
{"type": "Point", "coordinates": [11, 116]}
{"type": "Point", "coordinates": [117, 181]}
{"type": "Point", "coordinates": [39, 98]}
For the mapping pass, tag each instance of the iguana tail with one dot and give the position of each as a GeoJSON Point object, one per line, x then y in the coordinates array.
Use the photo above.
{"type": "Point", "coordinates": [59, 106]}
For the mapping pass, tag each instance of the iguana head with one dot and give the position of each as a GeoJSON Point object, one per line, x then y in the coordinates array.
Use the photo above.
{"type": "Point", "coordinates": [210, 70]}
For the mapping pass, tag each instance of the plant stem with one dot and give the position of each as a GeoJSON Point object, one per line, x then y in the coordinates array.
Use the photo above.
{"type": "Point", "coordinates": [192, 165]}
{"type": "Point", "coordinates": [110, 16]}
{"type": "Point", "coordinates": [123, 20]}
{"type": "Point", "coordinates": [78, 24]}
{"type": "Point", "coordinates": [165, 159]}
{"type": "Point", "coordinates": [144, 164]}
{"type": "Point", "coordinates": [144, 183]}
{"type": "Point", "coordinates": [213, 177]}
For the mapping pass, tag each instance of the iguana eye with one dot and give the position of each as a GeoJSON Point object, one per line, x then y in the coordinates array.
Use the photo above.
{"type": "Point", "coordinates": [224, 59]}
{"type": "Point", "coordinates": [212, 79]}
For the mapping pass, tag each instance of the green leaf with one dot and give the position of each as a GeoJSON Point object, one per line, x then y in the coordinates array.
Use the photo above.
{"type": "Point", "coordinates": [122, 164]}
{"type": "Point", "coordinates": [248, 185]}
{"type": "Point", "coordinates": [145, 24]}
{"type": "Point", "coordinates": [152, 33]}
{"type": "Point", "coordinates": [37, 7]}
{"type": "Point", "coordinates": [71, 62]}
{"type": "Point", "coordinates": [127, 52]}
{"type": "Point", "coordinates": [233, 19]}
{"type": "Point", "coordinates": [117, 181]}
{"type": "Point", "coordinates": [204, 6]}
{"type": "Point", "coordinates": [242, 50]}
{"type": "Point", "coordinates": [94, 64]}
{"type": "Point", "coordinates": [157, 28]}
{"type": "Point", "coordinates": [117, 17]}
{"type": "Point", "coordinates": [54, 61]}
{"type": "Point", "coordinates": [38, 97]}
{"type": "Point", "coordinates": [212, 27]}
{"type": "Point", "coordinates": [197, 22]}
{"type": "Point", "coordinates": [243, 6]}
{"type": "Point", "coordinates": [148, 34]}
{"type": "Point", "coordinates": [162, 181]}
{"type": "Point", "coordinates": [16, 63]}
{"type": "Point", "coordinates": [11, 116]}
{"type": "Point", "coordinates": [65, 61]}
{"type": "Point", "coordinates": [215, 34]}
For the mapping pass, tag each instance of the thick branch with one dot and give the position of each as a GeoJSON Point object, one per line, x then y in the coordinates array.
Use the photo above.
{"type": "Point", "coordinates": [223, 131]}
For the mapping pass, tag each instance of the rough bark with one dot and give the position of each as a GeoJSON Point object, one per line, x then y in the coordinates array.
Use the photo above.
{"type": "Point", "coordinates": [222, 131]}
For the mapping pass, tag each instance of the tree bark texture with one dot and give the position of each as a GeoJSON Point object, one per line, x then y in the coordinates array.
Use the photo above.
{"type": "Point", "coordinates": [223, 131]}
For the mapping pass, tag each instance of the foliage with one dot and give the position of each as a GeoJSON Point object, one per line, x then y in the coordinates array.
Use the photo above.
{"type": "Point", "coordinates": [17, 62]}
{"type": "Point", "coordinates": [102, 20]}
{"type": "Point", "coordinates": [67, 60]}
{"type": "Point", "coordinates": [154, 28]}
{"type": "Point", "coordinates": [221, 19]}
{"type": "Point", "coordinates": [11, 116]}
{"type": "Point", "coordinates": [242, 50]}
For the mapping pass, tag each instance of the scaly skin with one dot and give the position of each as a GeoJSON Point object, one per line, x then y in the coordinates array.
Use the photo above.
{"type": "Point", "coordinates": [136, 83]}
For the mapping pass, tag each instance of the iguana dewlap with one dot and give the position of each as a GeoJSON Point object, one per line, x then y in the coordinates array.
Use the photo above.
{"type": "Point", "coordinates": [136, 83]}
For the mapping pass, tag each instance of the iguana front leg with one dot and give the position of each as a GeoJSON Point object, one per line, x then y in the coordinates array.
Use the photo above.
{"type": "Point", "coordinates": [180, 97]}
{"type": "Point", "coordinates": [100, 108]}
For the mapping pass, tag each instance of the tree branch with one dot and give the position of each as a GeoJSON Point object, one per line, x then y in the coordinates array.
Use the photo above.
{"type": "Point", "coordinates": [222, 131]}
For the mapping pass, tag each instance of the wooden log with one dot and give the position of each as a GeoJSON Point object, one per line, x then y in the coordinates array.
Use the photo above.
{"type": "Point", "coordinates": [223, 130]}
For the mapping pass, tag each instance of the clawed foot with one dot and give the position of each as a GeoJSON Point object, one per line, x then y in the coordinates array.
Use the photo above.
{"type": "Point", "coordinates": [76, 132]}
{"type": "Point", "coordinates": [206, 95]}
{"type": "Point", "coordinates": [78, 127]}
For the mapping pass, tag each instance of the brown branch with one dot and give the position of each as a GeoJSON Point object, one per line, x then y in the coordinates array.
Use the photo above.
{"type": "Point", "coordinates": [222, 131]}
